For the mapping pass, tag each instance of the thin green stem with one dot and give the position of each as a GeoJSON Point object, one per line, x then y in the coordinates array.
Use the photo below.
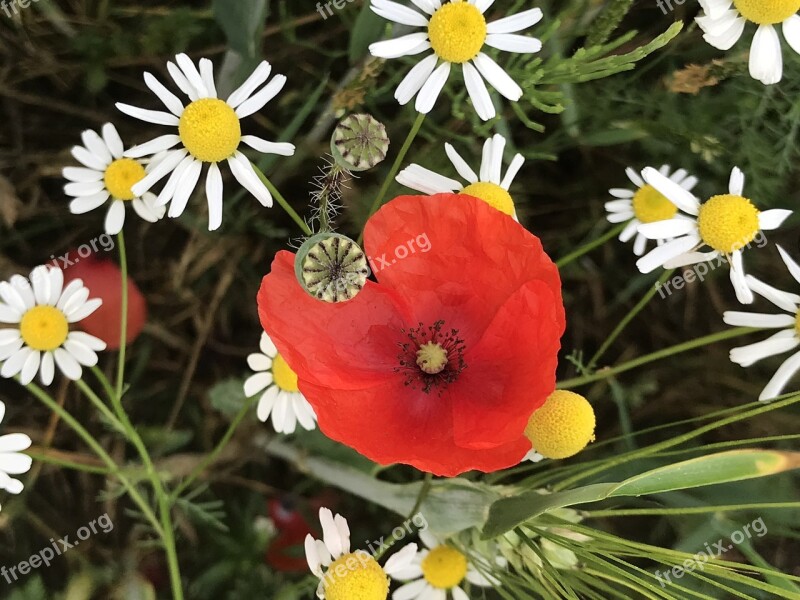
{"type": "Point", "coordinates": [423, 493]}
{"type": "Point", "coordinates": [212, 456]}
{"type": "Point", "coordinates": [90, 441]}
{"type": "Point", "coordinates": [586, 248]}
{"type": "Point", "coordinates": [628, 318]}
{"type": "Point", "coordinates": [67, 464]}
{"type": "Point", "coordinates": [123, 324]}
{"type": "Point", "coordinates": [104, 382]}
{"type": "Point", "coordinates": [607, 372]}
{"type": "Point", "coordinates": [689, 510]}
{"type": "Point", "coordinates": [100, 405]}
{"type": "Point", "coordinates": [622, 459]}
{"type": "Point", "coordinates": [282, 201]}
{"type": "Point", "coordinates": [376, 204]}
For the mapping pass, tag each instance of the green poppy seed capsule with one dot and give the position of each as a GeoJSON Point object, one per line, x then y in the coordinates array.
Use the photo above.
{"type": "Point", "coordinates": [331, 267]}
{"type": "Point", "coordinates": [359, 142]}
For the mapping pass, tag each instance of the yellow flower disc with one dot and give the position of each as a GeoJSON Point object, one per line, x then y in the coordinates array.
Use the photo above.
{"type": "Point", "coordinates": [356, 576]}
{"type": "Point", "coordinates": [563, 426]}
{"type": "Point", "coordinates": [767, 12]}
{"type": "Point", "coordinates": [210, 130]}
{"type": "Point", "coordinates": [44, 328]}
{"type": "Point", "coordinates": [282, 374]}
{"type": "Point", "coordinates": [650, 205]}
{"type": "Point", "coordinates": [444, 567]}
{"type": "Point", "coordinates": [494, 195]}
{"type": "Point", "coordinates": [728, 222]}
{"type": "Point", "coordinates": [457, 32]}
{"type": "Point", "coordinates": [121, 175]}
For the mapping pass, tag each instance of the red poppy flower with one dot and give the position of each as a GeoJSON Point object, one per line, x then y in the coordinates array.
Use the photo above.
{"type": "Point", "coordinates": [440, 364]}
{"type": "Point", "coordinates": [103, 278]}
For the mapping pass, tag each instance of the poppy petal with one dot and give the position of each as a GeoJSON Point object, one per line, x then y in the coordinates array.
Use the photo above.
{"type": "Point", "coordinates": [388, 423]}
{"type": "Point", "coordinates": [453, 257]}
{"type": "Point", "coordinates": [511, 371]}
{"type": "Point", "coordinates": [347, 345]}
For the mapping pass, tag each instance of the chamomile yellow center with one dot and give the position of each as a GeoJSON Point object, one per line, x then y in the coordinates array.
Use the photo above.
{"type": "Point", "coordinates": [356, 576]}
{"type": "Point", "coordinates": [210, 130]}
{"type": "Point", "coordinates": [282, 374]}
{"type": "Point", "coordinates": [44, 328]}
{"type": "Point", "coordinates": [650, 205]}
{"type": "Point", "coordinates": [121, 175]}
{"type": "Point", "coordinates": [444, 567]}
{"type": "Point", "coordinates": [767, 12]}
{"type": "Point", "coordinates": [494, 195]}
{"type": "Point", "coordinates": [457, 31]}
{"type": "Point", "coordinates": [797, 323]}
{"type": "Point", "coordinates": [432, 358]}
{"type": "Point", "coordinates": [562, 426]}
{"type": "Point", "coordinates": [728, 222]}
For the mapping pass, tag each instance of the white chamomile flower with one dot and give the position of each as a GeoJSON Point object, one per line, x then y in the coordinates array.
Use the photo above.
{"type": "Point", "coordinates": [346, 575]}
{"type": "Point", "coordinates": [785, 340]}
{"type": "Point", "coordinates": [41, 313]}
{"type": "Point", "coordinates": [107, 174]}
{"type": "Point", "coordinates": [645, 205]}
{"type": "Point", "coordinates": [209, 131]}
{"type": "Point", "coordinates": [456, 31]}
{"type": "Point", "coordinates": [282, 397]}
{"type": "Point", "coordinates": [491, 186]}
{"type": "Point", "coordinates": [439, 570]}
{"type": "Point", "coordinates": [12, 461]}
{"type": "Point", "coordinates": [723, 25]}
{"type": "Point", "coordinates": [726, 223]}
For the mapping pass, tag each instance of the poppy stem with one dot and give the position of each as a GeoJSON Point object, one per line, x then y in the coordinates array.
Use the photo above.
{"type": "Point", "coordinates": [586, 248]}
{"type": "Point", "coordinates": [395, 167]}
{"type": "Point", "coordinates": [282, 201]}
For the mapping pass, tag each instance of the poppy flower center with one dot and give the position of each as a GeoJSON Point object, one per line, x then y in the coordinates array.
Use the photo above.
{"type": "Point", "coordinates": [767, 12]}
{"type": "Point", "coordinates": [432, 357]}
{"type": "Point", "coordinates": [284, 377]}
{"type": "Point", "coordinates": [650, 205]}
{"type": "Point", "coordinates": [121, 175]}
{"type": "Point", "coordinates": [356, 576]}
{"type": "Point", "coordinates": [210, 130]}
{"type": "Point", "coordinates": [44, 328]}
{"type": "Point", "coordinates": [444, 567]}
{"type": "Point", "coordinates": [457, 31]}
{"type": "Point", "coordinates": [728, 223]}
{"type": "Point", "coordinates": [494, 195]}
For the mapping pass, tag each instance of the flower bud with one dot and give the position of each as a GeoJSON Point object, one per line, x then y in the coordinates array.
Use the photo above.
{"type": "Point", "coordinates": [331, 267]}
{"type": "Point", "coordinates": [359, 142]}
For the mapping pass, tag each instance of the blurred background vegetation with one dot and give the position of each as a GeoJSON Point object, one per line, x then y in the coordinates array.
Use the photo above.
{"type": "Point", "coordinates": [65, 64]}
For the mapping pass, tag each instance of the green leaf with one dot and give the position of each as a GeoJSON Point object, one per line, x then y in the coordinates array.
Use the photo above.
{"type": "Point", "coordinates": [368, 29]}
{"type": "Point", "coordinates": [228, 396]}
{"type": "Point", "coordinates": [724, 467]}
{"type": "Point", "coordinates": [242, 21]}
{"type": "Point", "coordinates": [452, 505]}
